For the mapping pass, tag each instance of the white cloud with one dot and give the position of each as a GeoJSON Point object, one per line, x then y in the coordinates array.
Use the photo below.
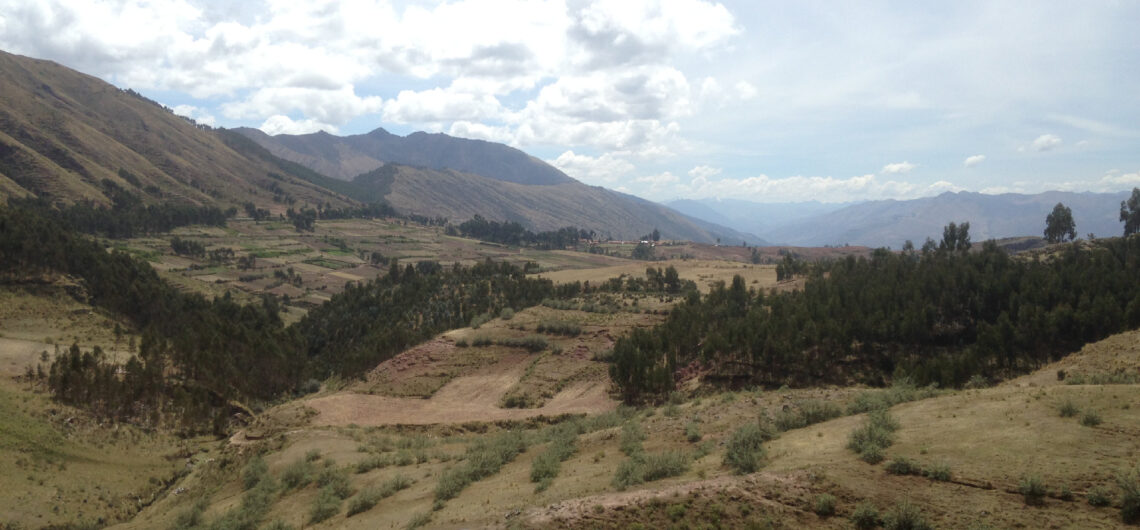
{"type": "Point", "coordinates": [605, 169]}
{"type": "Point", "coordinates": [199, 115]}
{"type": "Point", "coordinates": [898, 168]}
{"type": "Point", "coordinates": [1046, 142]}
{"type": "Point", "coordinates": [659, 181]}
{"type": "Point", "coordinates": [326, 106]}
{"type": "Point", "coordinates": [745, 90]}
{"type": "Point", "coordinates": [974, 160]}
{"type": "Point", "coordinates": [704, 172]}
{"type": "Point", "coordinates": [763, 188]}
{"type": "Point", "coordinates": [280, 124]}
{"type": "Point", "coordinates": [440, 105]}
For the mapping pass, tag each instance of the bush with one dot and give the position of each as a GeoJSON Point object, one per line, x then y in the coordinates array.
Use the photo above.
{"type": "Point", "coordinates": [418, 520]}
{"type": "Point", "coordinates": [481, 341]}
{"type": "Point", "coordinates": [1099, 496]}
{"type": "Point", "coordinates": [335, 480]}
{"type": "Point", "coordinates": [745, 450]}
{"type": "Point", "coordinates": [559, 327]}
{"type": "Point", "coordinates": [533, 343]}
{"type": "Point", "coordinates": [806, 413]}
{"type": "Point", "coordinates": [486, 457]}
{"type": "Point", "coordinates": [1091, 418]}
{"type": "Point", "coordinates": [901, 391]}
{"type": "Point", "coordinates": [630, 472]}
{"type": "Point", "coordinates": [461, 343]}
{"type": "Point", "coordinates": [1129, 483]}
{"type": "Point", "coordinates": [1033, 490]}
{"type": "Point", "coordinates": [692, 432]}
{"type": "Point", "coordinates": [631, 438]}
{"type": "Point", "coordinates": [1068, 409]}
{"type": "Point", "coordinates": [479, 320]}
{"type": "Point", "coordinates": [825, 505]}
{"type": "Point", "coordinates": [368, 498]}
{"type": "Point", "coordinates": [865, 516]}
{"type": "Point", "coordinates": [939, 472]}
{"type": "Point", "coordinates": [326, 505]}
{"type": "Point", "coordinates": [872, 438]}
{"type": "Point", "coordinates": [664, 465]}
{"type": "Point", "coordinates": [902, 466]}
{"type": "Point", "coordinates": [254, 472]}
{"type": "Point", "coordinates": [507, 313]}
{"type": "Point", "coordinates": [298, 475]}
{"type": "Point", "coordinates": [905, 516]}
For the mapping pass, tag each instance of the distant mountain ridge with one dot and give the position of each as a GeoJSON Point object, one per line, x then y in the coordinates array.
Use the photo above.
{"type": "Point", "coordinates": [892, 222]}
{"type": "Point", "coordinates": [457, 178]}
{"type": "Point", "coordinates": [345, 157]}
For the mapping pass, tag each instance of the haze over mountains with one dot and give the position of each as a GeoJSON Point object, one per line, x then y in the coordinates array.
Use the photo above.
{"type": "Point", "coordinates": [888, 223]}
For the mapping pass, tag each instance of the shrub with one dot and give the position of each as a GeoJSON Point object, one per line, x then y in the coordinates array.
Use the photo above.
{"type": "Point", "coordinates": [1033, 490]}
{"type": "Point", "coordinates": [825, 505]}
{"type": "Point", "coordinates": [745, 450]}
{"type": "Point", "coordinates": [1066, 494]}
{"type": "Point", "coordinates": [806, 413]}
{"type": "Point", "coordinates": [630, 472]}
{"type": "Point", "coordinates": [905, 516]}
{"type": "Point", "coordinates": [559, 327]}
{"type": "Point", "coordinates": [872, 438]}
{"type": "Point", "coordinates": [461, 343]}
{"type": "Point", "coordinates": [631, 438]}
{"type": "Point", "coordinates": [418, 520]}
{"type": "Point", "coordinates": [902, 466]}
{"type": "Point", "coordinates": [254, 472]}
{"type": "Point", "coordinates": [481, 341]}
{"type": "Point", "coordinates": [368, 498]}
{"type": "Point", "coordinates": [865, 516]}
{"type": "Point", "coordinates": [901, 391]}
{"type": "Point", "coordinates": [486, 457]}
{"type": "Point", "coordinates": [664, 465]}
{"type": "Point", "coordinates": [507, 313]}
{"type": "Point", "coordinates": [940, 472]}
{"type": "Point", "coordinates": [533, 343]}
{"type": "Point", "coordinates": [479, 320]}
{"type": "Point", "coordinates": [1129, 483]}
{"type": "Point", "coordinates": [692, 432]}
{"type": "Point", "coordinates": [1068, 409]}
{"type": "Point", "coordinates": [312, 455]}
{"type": "Point", "coordinates": [373, 462]}
{"type": "Point", "coordinates": [326, 505]}
{"type": "Point", "coordinates": [1099, 496]}
{"type": "Point", "coordinates": [335, 480]}
{"type": "Point", "coordinates": [1090, 418]}
{"type": "Point", "coordinates": [297, 475]}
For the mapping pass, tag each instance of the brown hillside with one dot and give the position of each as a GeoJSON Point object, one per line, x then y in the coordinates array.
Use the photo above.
{"type": "Point", "coordinates": [62, 132]}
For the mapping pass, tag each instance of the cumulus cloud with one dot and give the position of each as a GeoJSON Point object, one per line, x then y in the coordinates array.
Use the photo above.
{"type": "Point", "coordinates": [659, 181]}
{"type": "Point", "coordinates": [1046, 142]}
{"type": "Point", "coordinates": [898, 168]}
{"type": "Point", "coordinates": [199, 115]}
{"type": "Point", "coordinates": [280, 124]}
{"type": "Point", "coordinates": [974, 160]}
{"type": "Point", "coordinates": [604, 169]}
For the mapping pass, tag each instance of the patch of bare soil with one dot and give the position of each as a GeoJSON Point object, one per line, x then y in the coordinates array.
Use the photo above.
{"type": "Point", "coordinates": [468, 398]}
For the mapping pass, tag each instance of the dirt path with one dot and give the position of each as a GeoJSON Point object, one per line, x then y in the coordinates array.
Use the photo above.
{"type": "Point", "coordinates": [467, 398]}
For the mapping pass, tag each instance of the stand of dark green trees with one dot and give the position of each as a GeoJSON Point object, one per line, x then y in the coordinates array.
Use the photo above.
{"type": "Point", "coordinates": [512, 233]}
{"type": "Point", "coordinates": [937, 316]}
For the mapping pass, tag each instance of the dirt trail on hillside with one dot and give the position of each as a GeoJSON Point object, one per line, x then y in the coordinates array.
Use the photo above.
{"type": "Point", "coordinates": [467, 398]}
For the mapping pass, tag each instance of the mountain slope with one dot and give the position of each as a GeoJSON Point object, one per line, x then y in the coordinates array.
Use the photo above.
{"type": "Point", "coordinates": [344, 157]}
{"type": "Point", "coordinates": [439, 175]}
{"type": "Point", "coordinates": [63, 132]}
{"type": "Point", "coordinates": [891, 222]}
{"type": "Point", "coordinates": [459, 196]}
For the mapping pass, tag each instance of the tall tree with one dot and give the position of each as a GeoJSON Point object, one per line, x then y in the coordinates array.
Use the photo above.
{"type": "Point", "coordinates": [1059, 224]}
{"type": "Point", "coordinates": [1130, 213]}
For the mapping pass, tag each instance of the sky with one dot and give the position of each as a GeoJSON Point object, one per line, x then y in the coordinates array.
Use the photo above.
{"type": "Point", "coordinates": [830, 101]}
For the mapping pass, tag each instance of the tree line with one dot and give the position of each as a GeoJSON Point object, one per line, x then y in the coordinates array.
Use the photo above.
{"type": "Point", "coordinates": [513, 233]}
{"type": "Point", "coordinates": [940, 315]}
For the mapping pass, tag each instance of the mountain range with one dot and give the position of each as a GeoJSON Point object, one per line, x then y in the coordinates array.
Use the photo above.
{"type": "Point", "coordinates": [63, 134]}
{"type": "Point", "coordinates": [889, 223]}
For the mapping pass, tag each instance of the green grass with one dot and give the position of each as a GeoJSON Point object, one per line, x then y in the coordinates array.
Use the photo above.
{"type": "Point", "coordinates": [871, 439]}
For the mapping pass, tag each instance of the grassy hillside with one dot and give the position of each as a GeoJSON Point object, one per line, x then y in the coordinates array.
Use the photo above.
{"type": "Point", "coordinates": [62, 133]}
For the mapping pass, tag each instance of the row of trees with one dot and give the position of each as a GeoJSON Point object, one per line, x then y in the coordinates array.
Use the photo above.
{"type": "Point", "coordinates": [940, 315]}
{"type": "Point", "coordinates": [512, 233]}
{"type": "Point", "coordinates": [1059, 224]}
